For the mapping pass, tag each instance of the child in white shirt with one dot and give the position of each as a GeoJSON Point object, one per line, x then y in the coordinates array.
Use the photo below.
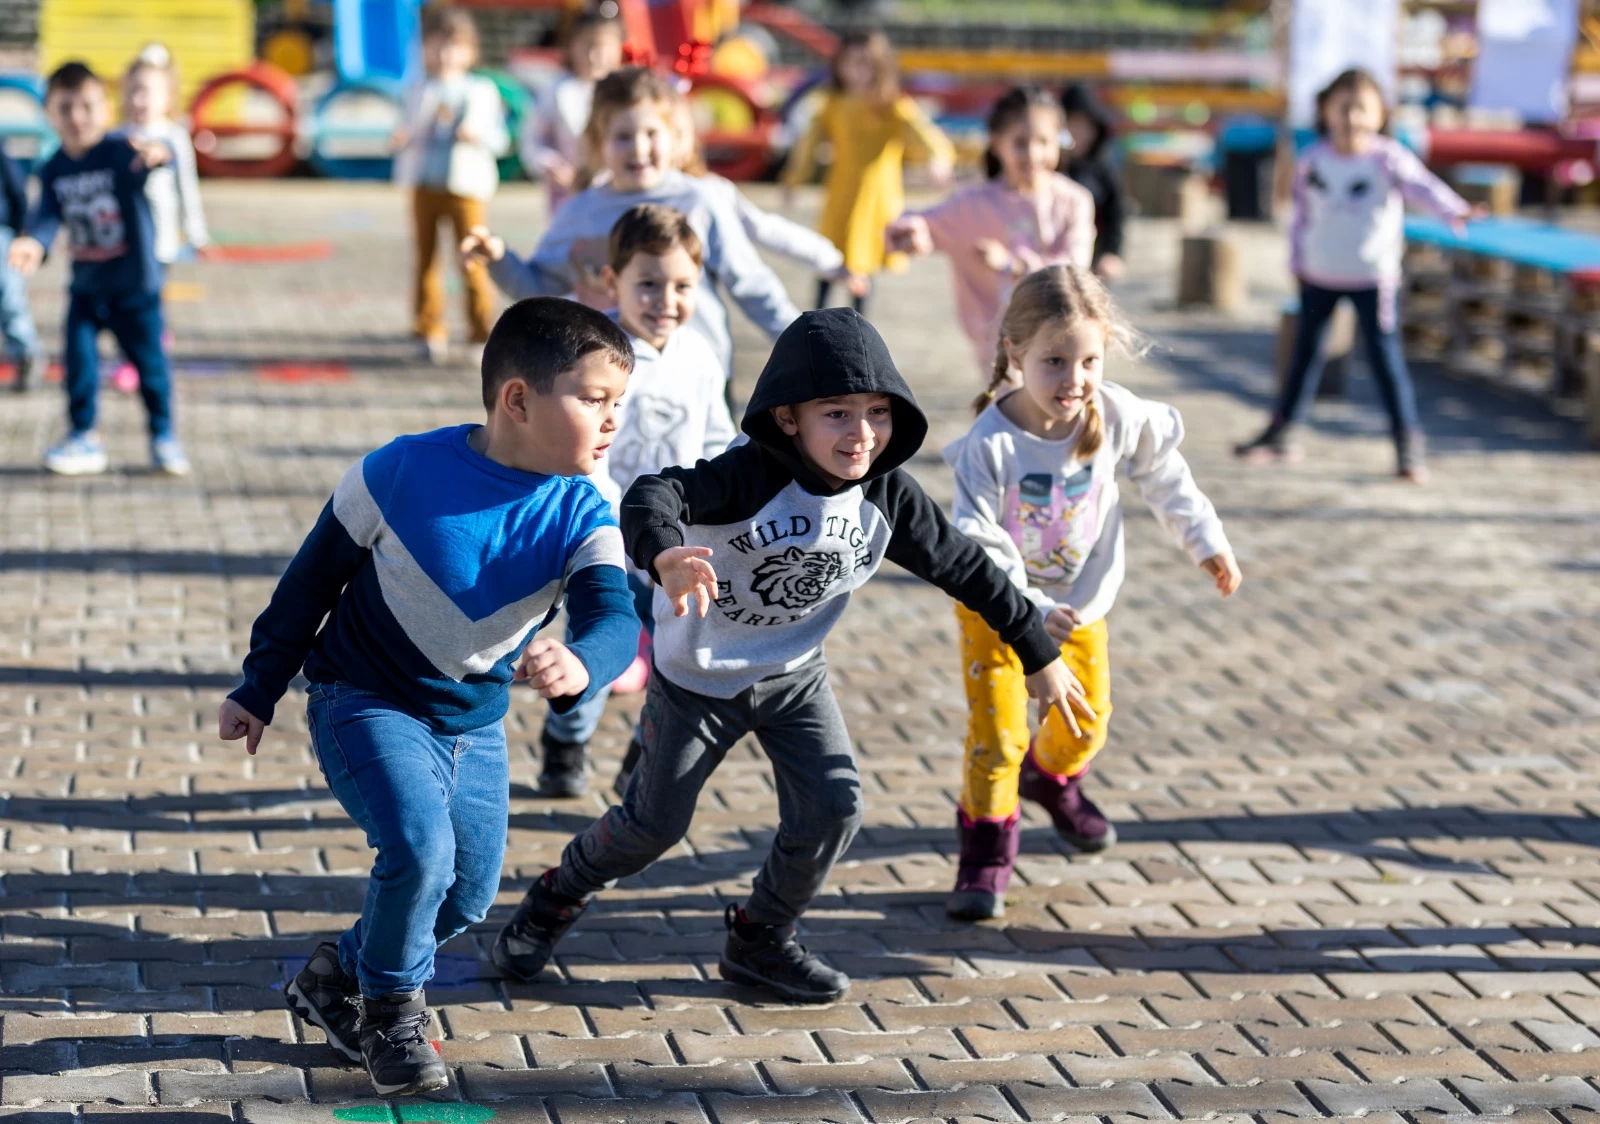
{"type": "Point", "coordinates": [172, 189]}
{"type": "Point", "coordinates": [1036, 486]}
{"type": "Point", "coordinates": [551, 142]}
{"type": "Point", "coordinates": [675, 413]}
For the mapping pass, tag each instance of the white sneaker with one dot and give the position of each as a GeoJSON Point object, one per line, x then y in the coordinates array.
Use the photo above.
{"type": "Point", "coordinates": [434, 351]}
{"type": "Point", "coordinates": [81, 454]}
{"type": "Point", "coordinates": [166, 455]}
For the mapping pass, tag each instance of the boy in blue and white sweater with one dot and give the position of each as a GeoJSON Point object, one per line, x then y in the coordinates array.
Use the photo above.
{"type": "Point", "coordinates": [435, 561]}
{"type": "Point", "coordinates": [94, 186]}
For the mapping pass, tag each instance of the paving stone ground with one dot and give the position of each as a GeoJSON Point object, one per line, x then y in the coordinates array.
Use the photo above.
{"type": "Point", "coordinates": [1359, 873]}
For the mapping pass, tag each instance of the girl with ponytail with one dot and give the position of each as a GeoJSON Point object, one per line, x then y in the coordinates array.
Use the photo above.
{"type": "Point", "coordinates": [1025, 216]}
{"type": "Point", "coordinates": [1036, 485]}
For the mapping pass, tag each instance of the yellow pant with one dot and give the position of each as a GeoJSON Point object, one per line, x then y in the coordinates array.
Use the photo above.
{"type": "Point", "coordinates": [428, 209]}
{"type": "Point", "coordinates": [997, 714]}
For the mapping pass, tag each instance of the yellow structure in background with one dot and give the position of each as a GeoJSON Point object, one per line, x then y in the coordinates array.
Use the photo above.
{"type": "Point", "coordinates": [206, 37]}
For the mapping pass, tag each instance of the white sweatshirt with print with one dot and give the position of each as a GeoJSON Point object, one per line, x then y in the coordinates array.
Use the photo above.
{"type": "Point", "coordinates": [675, 411]}
{"type": "Point", "coordinates": [1054, 523]}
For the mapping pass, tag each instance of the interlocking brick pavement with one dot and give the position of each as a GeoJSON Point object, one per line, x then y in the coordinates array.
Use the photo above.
{"type": "Point", "coordinates": [1360, 862]}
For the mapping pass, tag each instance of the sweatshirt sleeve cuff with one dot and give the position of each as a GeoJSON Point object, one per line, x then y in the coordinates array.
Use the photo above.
{"type": "Point", "coordinates": [651, 542]}
{"type": "Point", "coordinates": [255, 700]}
{"type": "Point", "coordinates": [1209, 543]}
{"type": "Point", "coordinates": [1034, 647]}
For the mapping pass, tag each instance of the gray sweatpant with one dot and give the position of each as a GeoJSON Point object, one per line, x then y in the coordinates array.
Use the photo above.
{"type": "Point", "coordinates": [685, 737]}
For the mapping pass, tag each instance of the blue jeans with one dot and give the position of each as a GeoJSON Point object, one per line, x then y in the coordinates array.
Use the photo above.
{"type": "Point", "coordinates": [16, 318]}
{"type": "Point", "coordinates": [135, 320]}
{"type": "Point", "coordinates": [434, 807]}
{"type": "Point", "coordinates": [1384, 356]}
{"type": "Point", "coordinates": [580, 723]}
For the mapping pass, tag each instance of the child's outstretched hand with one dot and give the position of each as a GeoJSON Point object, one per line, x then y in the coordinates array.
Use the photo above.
{"type": "Point", "coordinates": [482, 245]}
{"type": "Point", "coordinates": [551, 669]}
{"type": "Point", "coordinates": [1060, 623]}
{"type": "Point", "coordinates": [26, 254]}
{"type": "Point", "coordinates": [235, 722]}
{"type": "Point", "coordinates": [995, 256]}
{"type": "Point", "coordinates": [1224, 568]}
{"type": "Point", "coordinates": [859, 284]}
{"type": "Point", "coordinates": [686, 575]}
{"type": "Point", "coordinates": [909, 234]}
{"type": "Point", "coordinates": [940, 170]}
{"type": "Point", "coordinates": [150, 154]}
{"type": "Point", "coordinates": [1054, 686]}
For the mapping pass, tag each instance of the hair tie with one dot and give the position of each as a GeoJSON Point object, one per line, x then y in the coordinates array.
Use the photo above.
{"type": "Point", "coordinates": [155, 54]}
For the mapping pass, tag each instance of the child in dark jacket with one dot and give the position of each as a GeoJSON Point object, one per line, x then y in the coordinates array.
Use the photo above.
{"type": "Point", "coordinates": [16, 319]}
{"type": "Point", "coordinates": [1090, 163]}
{"type": "Point", "coordinates": [767, 542]}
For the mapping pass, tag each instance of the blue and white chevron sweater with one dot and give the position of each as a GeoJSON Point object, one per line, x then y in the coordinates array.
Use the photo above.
{"type": "Point", "coordinates": [433, 567]}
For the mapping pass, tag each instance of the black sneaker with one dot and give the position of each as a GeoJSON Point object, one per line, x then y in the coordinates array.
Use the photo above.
{"type": "Point", "coordinates": [543, 917]}
{"type": "Point", "coordinates": [30, 373]}
{"type": "Point", "coordinates": [768, 956]}
{"type": "Point", "coordinates": [326, 996]}
{"type": "Point", "coordinates": [630, 762]}
{"type": "Point", "coordinates": [394, 1044]}
{"type": "Point", "coordinates": [565, 773]}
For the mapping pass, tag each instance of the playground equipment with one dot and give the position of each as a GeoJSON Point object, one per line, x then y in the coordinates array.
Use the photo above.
{"type": "Point", "coordinates": [376, 39]}
{"type": "Point", "coordinates": [206, 37]}
{"type": "Point", "coordinates": [24, 132]}
{"type": "Point", "coordinates": [351, 127]}
{"type": "Point", "coordinates": [245, 122]}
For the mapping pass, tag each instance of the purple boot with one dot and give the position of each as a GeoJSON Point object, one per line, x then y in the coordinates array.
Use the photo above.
{"type": "Point", "coordinates": [988, 850]}
{"type": "Point", "coordinates": [1076, 817]}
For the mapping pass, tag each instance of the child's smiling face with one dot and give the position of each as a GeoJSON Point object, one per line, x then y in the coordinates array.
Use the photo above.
{"type": "Point", "coordinates": [1029, 148]}
{"type": "Point", "coordinates": [655, 293]}
{"type": "Point", "coordinates": [639, 146]}
{"type": "Point", "coordinates": [1062, 368]}
{"type": "Point", "coordinates": [839, 437]}
{"type": "Point", "coordinates": [147, 96]}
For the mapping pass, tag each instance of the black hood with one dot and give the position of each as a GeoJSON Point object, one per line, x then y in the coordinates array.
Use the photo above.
{"type": "Point", "coordinates": [1079, 98]}
{"type": "Point", "coordinates": [825, 354]}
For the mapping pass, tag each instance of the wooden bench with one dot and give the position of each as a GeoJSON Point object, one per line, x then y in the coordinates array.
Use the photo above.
{"type": "Point", "coordinates": [1507, 299]}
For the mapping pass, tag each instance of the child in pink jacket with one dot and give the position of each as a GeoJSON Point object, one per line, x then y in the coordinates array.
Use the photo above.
{"type": "Point", "coordinates": [1025, 217]}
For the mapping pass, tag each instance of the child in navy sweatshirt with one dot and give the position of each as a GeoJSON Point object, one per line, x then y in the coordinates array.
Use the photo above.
{"type": "Point", "coordinates": [435, 561]}
{"type": "Point", "coordinates": [769, 540]}
{"type": "Point", "coordinates": [94, 186]}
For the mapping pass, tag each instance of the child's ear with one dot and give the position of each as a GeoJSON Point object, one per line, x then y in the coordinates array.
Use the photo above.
{"type": "Point", "coordinates": [513, 399]}
{"type": "Point", "coordinates": [784, 416]}
{"type": "Point", "coordinates": [609, 278]}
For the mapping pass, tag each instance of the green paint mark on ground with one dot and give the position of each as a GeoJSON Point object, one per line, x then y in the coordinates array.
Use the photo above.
{"type": "Point", "coordinates": [424, 1113]}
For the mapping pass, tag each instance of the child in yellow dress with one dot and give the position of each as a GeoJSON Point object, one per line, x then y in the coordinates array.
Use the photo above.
{"type": "Point", "coordinates": [870, 125]}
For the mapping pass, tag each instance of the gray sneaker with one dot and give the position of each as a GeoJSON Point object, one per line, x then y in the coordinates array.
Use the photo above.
{"type": "Point", "coordinates": [394, 1044]}
{"type": "Point", "coordinates": [167, 456]}
{"type": "Point", "coordinates": [327, 997]}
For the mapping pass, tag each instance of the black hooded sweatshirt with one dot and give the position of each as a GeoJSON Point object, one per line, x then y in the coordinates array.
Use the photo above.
{"type": "Point", "coordinates": [1094, 170]}
{"type": "Point", "coordinates": [789, 549]}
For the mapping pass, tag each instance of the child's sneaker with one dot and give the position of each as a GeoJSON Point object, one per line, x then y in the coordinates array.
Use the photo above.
{"type": "Point", "coordinates": [988, 852]}
{"type": "Point", "coordinates": [543, 917]}
{"type": "Point", "coordinates": [326, 996]}
{"type": "Point", "coordinates": [565, 772]}
{"type": "Point", "coordinates": [1273, 444]}
{"type": "Point", "coordinates": [769, 956]}
{"type": "Point", "coordinates": [400, 1057]}
{"type": "Point", "coordinates": [1078, 820]}
{"type": "Point", "coordinates": [81, 454]}
{"type": "Point", "coordinates": [630, 762]}
{"type": "Point", "coordinates": [30, 373]}
{"type": "Point", "coordinates": [435, 351]}
{"type": "Point", "coordinates": [167, 456]}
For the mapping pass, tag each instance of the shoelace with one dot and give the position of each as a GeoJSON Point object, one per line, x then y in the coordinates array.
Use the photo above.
{"type": "Point", "coordinates": [405, 1030]}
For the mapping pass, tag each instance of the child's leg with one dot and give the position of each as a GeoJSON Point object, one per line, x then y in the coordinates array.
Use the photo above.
{"type": "Point", "coordinates": [16, 318]}
{"type": "Point", "coordinates": [464, 215]}
{"type": "Point", "coordinates": [478, 814]}
{"type": "Point", "coordinates": [685, 737]}
{"type": "Point", "coordinates": [393, 775]}
{"type": "Point", "coordinates": [427, 208]}
{"type": "Point", "coordinates": [823, 285]}
{"type": "Point", "coordinates": [798, 723]}
{"type": "Point", "coordinates": [1375, 313]}
{"type": "Point", "coordinates": [82, 360]}
{"type": "Point", "coordinates": [1305, 365]}
{"type": "Point", "coordinates": [1057, 749]}
{"type": "Point", "coordinates": [997, 720]}
{"type": "Point", "coordinates": [136, 322]}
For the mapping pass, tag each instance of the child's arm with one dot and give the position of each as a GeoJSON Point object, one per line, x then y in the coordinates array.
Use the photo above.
{"type": "Point", "coordinates": [605, 628]}
{"type": "Point", "coordinates": [1298, 216]}
{"type": "Point", "coordinates": [193, 214]}
{"type": "Point", "coordinates": [484, 123]}
{"type": "Point", "coordinates": [980, 498]}
{"type": "Point", "coordinates": [772, 231]}
{"type": "Point", "coordinates": [29, 249]}
{"type": "Point", "coordinates": [748, 280]}
{"type": "Point", "coordinates": [1420, 187]}
{"type": "Point", "coordinates": [16, 192]}
{"type": "Point", "coordinates": [719, 490]}
{"type": "Point", "coordinates": [1151, 460]}
{"type": "Point", "coordinates": [925, 140]}
{"type": "Point", "coordinates": [283, 634]}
